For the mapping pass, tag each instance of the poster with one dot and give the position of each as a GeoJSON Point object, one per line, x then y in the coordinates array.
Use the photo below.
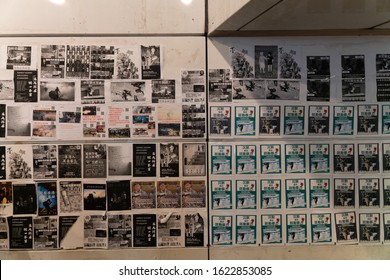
{"type": "Point", "coordinates": [282, 90]}
{"type": "Point", "coordinates": [95, 160]}
{"type": "Point", "coordinates": [144, 160]}
{"type": "Point", "coordinates": [119, 160]}
{"type": "Point", "coordinates": [169, 121]}
{"type": "Point", "coordinates": [246, 159]}
{"type": "Point", "coordinates": [266, 61]}
{"type": "Point", "coordinates": [58, 91]}
{"type": "Point", "coordinates": [94, 122]}
{"type": "Point", "coordinates": [6, 199]}
{"type": "Point", "coordinates": [47, 198]}
{"type": "Point", "coordinates": [151, 62]}
{"type": "Point", "coordinates": [295, 158]}
{"type": "Point", "coordinates": [220, 121]}
{"type": "Point", "coordinates": [221, 159]}
{"type": "Point", "coordinates": [168, 194]}
{"type": "Point", "coordinates": [52, 61]}
{"type": "Point", "coordinates": [270, 194]}
{"type": "Point", "coordinates": [169, 159]}
{"type": "Point", "coordinates": [163, 91]}
{"type": "Point", "coordinates": [194, 159]}
{"type": "Point", "coordinates": [368, 160]}
{"type": "Point", "coordinates": [69, 122]}
{"type": "Point", "coordinates": [78, 61]}
{"type": "Point", "coordinates": [95, 196]}
{"type": "Point", "coordinates": [120, 234]}
{"type": "Point", "coordinates": [102, 62]}
{"type": "Point", "coordinates": [3, 166]}
{"type": "Point", "coordinates": [246, 194]}
{"type": "Point", "coordinates": [386, 192]}
{"type": "Point", "coordinates": [3, 120]}
{"type": "Point", "coordinates": [271, 229]}
{"type": "Point", "coordinates": [195, 229]}
{"type": "Point", "coordinates": [382, 89]}
{"type": "Point", "coordinates": [19, 57]}
{"type": "Point", "coordinates": [18, 122]}
{"type": "Point", "coordinates": [70, 196]}
{"type": "Point", "coordinates": [319, 159]}
{"type": "Point", "coordinates": [295, 193]}
{"type": "Point", "coordinates": [129, 91]}
{"type": "Point", "coordinates": [353, 78]}
{"type": "Point", "coordinates": [71, 232]}
{"type": "Point", "coordinates": [220, 85]}
{"type": "Point", "coordinates": [246, 90]}
{"type": "Point", "coordinates": [221, 194]}
{"type": "Point", "coordinates": [44, 123]}
{"type": "Point", "coordinates": [240, 63]}
{"type": "Point", "coordinates": [246, 230]}
{"type": "Point", "coordinates": [382, 63]}
{"type": "Point", "coordinates": [69, 161]}
{"type": "Point", "coordinates": [346, 229]}
{"type": "Point", "coordinates": [194, 121]}
{"type": "Point", "coordinates": [26, 86]}
{"type": "Point", "coordinates": [20, 233]}
{"type": "Point", "coordinates": [385, 119]}
{"type": "Point", "coordinates": [19, 162]}
{"type": "Point", "coordinates": [296, 228]}
{"type": "Point", "coordinates": [269, 121]}
{"type": "Point", "coordinates": [6, 89]}
{"type": "Point", "coordinates": [294, 120]}
{"type": "Point", "coordinates": [369, 193]}
{"type": "Point", "coordinates": [270, 157]}
{"type": "Point", "coordinates": [319, 193]}
{"type": "Point", "coordinates": [145, 230]}
{"type": "Point", "coordinates": [95, 232]}
{"type": "Point", "coordinates": [143, 122]}
{"type": "Point", "coordinates": [386, 157]}
{"type": "Point", "coordinates": [343, 158]}
{"type": "Point", "coordinates": [367, 120]}
{"type": "Point", "coordinates": [193, 86]}
{"type": "Point", "coordinates": [318, 78]}
{"type": "Point", "coordinates": [45, 233]}
{"type": "Point", "coordinates": [369, 228]}
{"type": "Point", "coordinates": [386, 227]}
{"type": "Point", "coordinates": [321, 228]}
{"type": "Point", "coordinates": [343, 120]}
{"type": "Point", "coordinates": [318, 120]}
{"type": "Point", "coordinates": [143, 194]}
{"type": "Point", "coordinates": [353, 90]}
{"type": "Point", "coordinates": [118, 195]}
{"type": "Point", "coordinates": [119, 122]}
{"type": "Point", "coordinates": [127, 62]}
{"type": "Point", "coordinates": [92, 92]}
{"type": "Point", "coordinates": [25, 199]}
{"type": "Point", "coordinates": [170, 233]}
{"type": "Point", "coordinates": [4, 235]}
{"type": "Point", "coordinates": [245, 121]}
{"type": "Point", "coordinates": [344, 193]}
{"type": "Point", "coordinates": [193, 194]}
{"type": "Point", "coordinates": [222, 233]}
{"type": "Point", "coordinates": [44, 161]}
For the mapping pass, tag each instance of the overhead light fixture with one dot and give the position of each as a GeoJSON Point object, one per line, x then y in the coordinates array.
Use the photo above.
{"type": "Point", "coordinates": [186, 2]}
{"type": "Point", "coordinates": [58, 2]}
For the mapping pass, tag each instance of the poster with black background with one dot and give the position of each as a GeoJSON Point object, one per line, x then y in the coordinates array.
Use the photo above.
{"type": "Point", "coordinates": [2, 164]}
{"type": "Point", "coordinates": [20, 232]}
{"type": "Point", "coordinates": [69, 161]}
{"type": "Point", "coordinates": [118, 195]}
{"type": "Point", "coordinates": [145, 230]}
{"type": "Point", "coordinates": [144, 160]}
{"type": "Point", "coordinates": [25, 199]}
{"type": "Point", "coordinates": [3, 120]}
{"type": "Point", "coordinates": [95, 161]}
{"type": "Point", "coordinates": [94, 197]}
{"type": "Point", "coordinates": [169, 160]}
{"type": "Point", "coordinates": [26, 86]}
{"type": "Point", "coordinates": [194, 229]}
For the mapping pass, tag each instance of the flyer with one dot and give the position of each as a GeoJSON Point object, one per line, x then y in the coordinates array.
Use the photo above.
{"type": "Point", "coordinates": [78, 61]}
{"type": "Point", "coordinates": [271, 194]}
{"type": "Point", "coordinates": [282, 89]}
{"type": "Point", "coordinates": [367, 120]}
{"type": "Point", "coordinates": [44, 161]}
{"type": "Point", "coordinates": [369, 228]}
{"type": "Point", "coordinates": [382, 63]}
{"type": "Point", "coordinates": [270, 157]}
{"type": "Point", "coordinates": [343, 158]}
{"type": "Point", "coordinates": [321, 228]}
{"type": "Point", "coordinates": [353, 90]}
{"type": "Point", "coordinates": [195, 229]}
{"type": "Point", "coordinates": [69, 161]}
{"type": "Point", "coordinates": [295, 193]}
{"type": "Point", "coordinates": [319, 158]}
{"type": "Point", "coordinates": [245, 121]}
{"type": "Point", "coordinates": [25, 199]}
{"type": "Point", "coordinates": [318, 90]}
{"type": "Point", "coordinates": [47, 198]}
{"type": "Point", "coordinates": [318, 120]}
{"type": "Point", "coordinates": [18, 122]}
{"type": "Point", "coordinates": [170, 233]}
{"type": "Point", "coordinates": [52, 61]}
{"type": "Point", "coordinates": [70, 197]}
{"type": "Point", "coordinates": [95, 232]}
{"type": "Point", "coordinates": [266, 61]}
{"type": "Point", "coordinates": [193, 86]}
{"type": "Point", "coordinates": [194, 121]}
{"type": "Point", "coordinates": [6, 199]}
{"type": "Point", "coordinates": [45, 233]}
{"type": "Point", "coordinates": [19, 57]}
{"type": "Point", "coordinates": [296, 228]}
{"type": "Point", "coordinates": [382, 89]}
{"type": "Point", "coordinates": [120, 235]}
{"type": "Point", "coordinates": [69, 122]}
{"type": "Point", "coordinates": [18, 162]}
{"type": "Point", "coordinates": [129, 91]}
{"type": "Point", "coordinates": [102, 62]}
{"type": "Point", "coordinates": [127, 62]}
{"type": "Point", "coordinates": [221, 194]}
{"type": "Point", "coordinates": [344, 193]}
{"type": "Point", "coordinates": [222, 233]}
{"type": "Point", "coordinates": [245, 90]}
{"type": "Point", "coordinates": [368, 160]}
{"type": "Point", "coordinates": [71, 232]}
{"type": "Point", "coordinates": [4, 235]}
{"type": "Point", "coordinates": [118, 195]}
{"type": "Point", "coordinates": [143, 195]}
{"type": "Point", "coordinates": [221, 159]}
{"type": "Point", "coordinates": [6, 89]}
{"type": "Point", "coordinates": [20, 233]}
{"type": "Point", "coordinates": [220, 85]}
{"type": "Point", "coordinates": [246, 159]}
{"type": "Point", "coordinates": [143, 122]}
{"type": "Point", "coordinates": [246, 194]}
{"type": "Point", "coordinates": [369, 193]}
{"type": "Point", "coordinates": [3, 119]}
{"type": "Point", "coordinates": [163, 91]}
{"type": "Point", "coordinates": [3, 165]}
{"type": "Point", "coordinates": [294, 120]}
{"type": "Point", "coordinates": [144, 160]}
{"type": "Point", "coordinates": [25, 86]}
{"type": "Point", "coordinates": [168, 194]}
{"type": "Point", "coordinates": [353, 77]}
{"type": "Point", "coordinates": [151, 62]}
{"type": "Point", "coordinates": [169, 121]}
{"type": "Point", "coordinates": [94, 122]}
{"type": "Point", "coordinates": [119, 160]}
{"type": "Point", "coordinates": [346, 229]}
{"type": "Point", "coordinates": [319, 193]}
{"type": "Point", "coordinates": [318, 78]}
{"type": "Point", "coordinates": [44, 123]}
{"type": "Point", "coordinates": [169, 159]}
{"type": "Point", "coordinates": [220, 121]}
{"type": "Point", "coordinates": [385, 119]}
{"type": "Point", "coordinates": [241, 64]}
{"type": "Point", "coordinates": [295, 158]}
{"type": "Point", "coordinates": [343, 120]}
{"type": "Point", "coordinates": [269, 121]}
{"type": "Point", "coordinates": [246, 230]}
{"type": "Point", "coordinates": [145, 230]}
{"type": "Point", "coordinates": [57, 91]}
{"type": "Point", "coordinates": [95, 160]}
{"type": "Point", "coordinates": [386, 227]}
{"type": "Point", "coordinates": [92, 92]}
{"type": "Point", "coordinates": [194, 159]}
{"type": "Point", "coordinates": [95, 196]}
{"type": "Point", "coordinates": [271, 229]}
{"type": "Point", "coordinates": [193, 194]}
{"type": "Point", "coordinates": [386, 192]}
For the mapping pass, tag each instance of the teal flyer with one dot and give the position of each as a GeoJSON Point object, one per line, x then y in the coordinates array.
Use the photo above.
{"type": "Point", "coordinates": [321, 228]}
{"type": "Point", "coordinates": [221, 159]}
{"type": "Point", "coordinates": [245, 121]}
{"type": "Point", "coordinates": [343, 119]}
{"type": "Point", "coordinates": [271, 229]}
{"type": "Point", "coordinates": [246, 229]}
{"type": "Point", "coordinates": [294, 120]}
{"type": "Point", "coordinates": [246, 193]}
{"type": "Point", "coordinates": [222, 230]}
{"type": "Point", "coordinates": [296, 228]}
{"type": "Point", "coordinates": [295, 193]}
{"type": "Point", "coordinates": [319, 193]}
{"type": "Point", "coordinates": [319, 158]}
{"type": "Point", "coordinates": [295, 158]}
{"type": "Point", "coordinates": [221, 194]}
{"type": "Point", "coordinates": [246, 157]}
{"type": "Point", "coordinates": [270, 157]}
{"type": "Point", "coordinates": [271, 194]}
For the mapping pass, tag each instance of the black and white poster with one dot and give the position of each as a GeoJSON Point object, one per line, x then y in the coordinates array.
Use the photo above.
{"type": "Point", "coordinates": [144, 160]}
{"type": "Point", "coordinates": [95, 232]}
{"type": "Point", "coordinates": [346, 228]}
{"type": "Point", "coordinates": [94, 195]}
{"type": "Point", "coordinates": [95, 160]}
{"type": "Point", "coordinates": [18, 121]}
{"type": "Point", "coordinates": [266, 62]}
{"type": "Point", "coordinates": [71, 235]}
{"type": "Point", "coordinates": [282, 89]}
{"type": "Point", "coordinates": [367, 120]}
{"type": "Point", "coordinates": [92, 92]}
{"type": "Point", "coordinates": [129, 91]}
{"type": "Point", "coordinates": [143, 195]}
{"type": "Point", "coordinates": [220, 85]}
{"type": "Point", "coordinates": [193, 86]}
{"type": "Point", "coordinates": [195, 229]}
{"type": "Point", "coordinates": [382, 65]}
{"type": "Point", "coordinates": [25, 199]}
{"type": "Point", "coordinates": [193, 194]}
{"type": "Point", "coordinates": [163, 91]}
{"type": "Point", "coordinates": [20, 233]}
{"type": "Point", "coordinates": [45, 233]}
{"type": "Point", "coordinates": [170, 233]}
{"type": "Point", "coordinates": [383, 89]}
{"type": "Point", "coordinates": [194, 121]}
{"type": "Point", "coordinates": [3, 165]}
{"type": "Point", "coordinates": [19, 162]}
{"type": "Point", "coordinates": [289, 62]}
{"type": "Point", "coordinates": [368, 160]}
{"type": "Point", "coordinates": [71, 197]}
{"type": "Point", "coordinates": [369, 228]}
{"type": "Point", "coordinates": [344, 193]}
{"type": "Point", "coordinates": [369, 193]}
{"type": "Point", "coordinates": [318, 120]}
{"type": "Point", "coordinates": [169, 159]}
{"type": "Point", "coordinates": [127, 59]}
{"type": "Point", "coordinates": [78, 60]}
{"type": "Point", "coordinates": [344, 158]}
{"type": "Point", "coordinates": [57, 91]}
{"type": "Point", "coordinates": [194, 159]}
{"type": "Point", "coordinates": [318, 78]}
{"type": "Point", "coordinates": [269, 120]}
{"type": "Point", "coordinates": [26, 86]}
{"type": "Point", "coordinates": [386, 157]}
{"type": "Point", "coordinates": [44, 161]}
{"type": "Point", "coordinates": [248, 90]}
{"type": "Point", "coordinates": [353, 78]}
{"type": "Point", "coordinates": [47, 198]}
{"type": "Point", "coordinates": [118, 195]}
{"type": "Point", "coordinates": [3, 120]}
{"type": "Point", "coordinates": [119, 160]}
{"type": "Point", "coordinates": [386, 192]}
{"type": "Point", "coordinates": [69, 161]}
{"type": "Point", "coordinates": [151, 61]}
{"type": "Point", "coordinates": [18, 57]}
{"type": "Point", "coordinates": [168, 194]}
{"type": "Point", "coordinates": [102, 62]}
{"type": "Point", "coordinates": [6, 89]}
{"type": "Point", "coordinates": [145, 230]}
{"type": "Point", "coordinates": [241, 63]}
{"type": "Point", "coordinates": [4, 235]}
{"type": "Point", "coordinates": [52, 61]}
{"type": "Point", "coordinates": [120, 235]}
